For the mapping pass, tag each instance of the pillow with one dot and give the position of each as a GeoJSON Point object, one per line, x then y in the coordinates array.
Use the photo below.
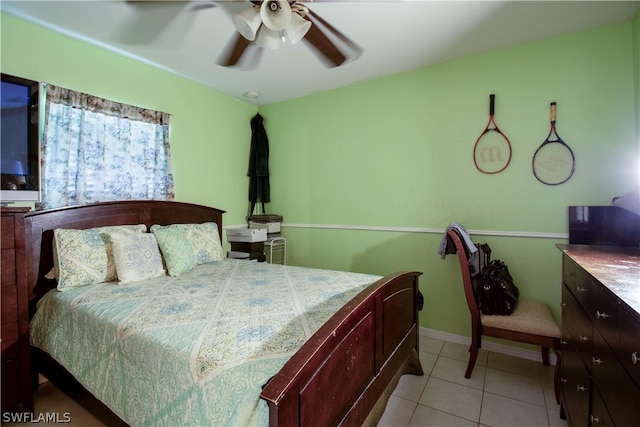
{"type": "Point", "coordinates": [176, 249]}
{"type": "Point", "coordinates": [136, 256]}
{"type": "Point", "coordinates": [205, 242]}
{"type": "Point", "coordinates": [84, 257]}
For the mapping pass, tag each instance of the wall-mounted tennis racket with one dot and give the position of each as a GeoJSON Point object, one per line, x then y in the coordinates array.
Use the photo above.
{"type": "Point", "coordinates": [492, 151]}
{"type": "Point", "coordinates": [553, 162]}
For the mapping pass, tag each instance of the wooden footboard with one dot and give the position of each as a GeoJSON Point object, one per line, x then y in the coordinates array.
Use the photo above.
{"type": "Point", "coordinates": [339, 374]}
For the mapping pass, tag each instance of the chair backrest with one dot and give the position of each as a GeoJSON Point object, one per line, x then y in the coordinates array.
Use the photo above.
{"type": "Point", "coordinates": [466, 274]}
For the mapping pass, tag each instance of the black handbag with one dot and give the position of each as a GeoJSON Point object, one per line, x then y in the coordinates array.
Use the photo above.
{"type": "Point", "coordinates": [497, 294]}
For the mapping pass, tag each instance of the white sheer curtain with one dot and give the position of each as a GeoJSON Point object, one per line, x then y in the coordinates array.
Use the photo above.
{"type": "Point", "coordinates": [97, 150]}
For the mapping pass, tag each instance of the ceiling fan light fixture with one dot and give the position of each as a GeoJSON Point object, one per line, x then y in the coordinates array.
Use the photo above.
{"type": "Point", "coordinates": [275, 14]}
{"type": "Point", "coordinates": [247, 22]}
{"type": "Point", "coordinates": [268, 39]}
{"type": "Point", "coordinates": [297, 28]}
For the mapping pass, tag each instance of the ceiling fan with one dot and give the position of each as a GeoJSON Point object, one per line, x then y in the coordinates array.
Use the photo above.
{"type": "Point", "coordinates": [264, 24]}
{"type": "Point", "coordinates": [268, 24]}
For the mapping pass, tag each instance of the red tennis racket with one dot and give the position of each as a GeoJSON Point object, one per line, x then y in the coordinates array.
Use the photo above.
{"type": "Point", "coordinates": [492, 151]}
{"type": "Point", "coordinates": [553, 162]}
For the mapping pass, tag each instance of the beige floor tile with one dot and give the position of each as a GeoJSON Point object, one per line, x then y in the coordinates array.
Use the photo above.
{"type": "Point", "coordinates": [410, 386]}
{"type": "Point", "coordinates": [454, 399]}
{"type": "Point", "coordinates": [428, 361]}
{"type": "Point", "coordinates": [461, 352]}
{"type": "Point", "coordinates": [499, 411]}
{"type": "Point", "coordinates": [453, 371]}
{"type": "Point", "coordinates": [398, 412]}
{"type": "Point", "coordinates": [429, 417]}
{"type": "Point", "coordinates": [430, 345]}
{"type": "Point", "coordinates": [516, 365]}
{"type": "Point", "coordinates": [514, 386]}
{"type": "Point", "coordinates": [554, 418]}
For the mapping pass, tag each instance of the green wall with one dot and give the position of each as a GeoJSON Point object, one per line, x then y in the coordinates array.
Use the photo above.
{"type": "Point", "coordinates": [396, 153]}
{"type": "Point", "coordinates": [392, 157]}
{"type": "Point", "coordinates": [210, 132]}
{"type": "Point", "coordinates": [635, 46]}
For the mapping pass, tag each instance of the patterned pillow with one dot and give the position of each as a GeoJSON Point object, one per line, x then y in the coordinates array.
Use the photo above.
{"type": "Point", "coordinates": [205, 241]}
{"type": "Point", "coordinates": [176, 249]}
{"type": "Point", "coordinates": [84, 257]}
{"type": "Point", "coordinates": [137, 257]}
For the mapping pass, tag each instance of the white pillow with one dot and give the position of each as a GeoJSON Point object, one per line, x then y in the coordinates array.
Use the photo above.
{"type": "Point", "coordinates": [84, 257]}
{"type": "Point", "coordinates": [137, 257]}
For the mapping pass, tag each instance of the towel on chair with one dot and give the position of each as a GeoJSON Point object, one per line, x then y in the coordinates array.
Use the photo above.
{"type": "Point", "coordinates": [446, 247]}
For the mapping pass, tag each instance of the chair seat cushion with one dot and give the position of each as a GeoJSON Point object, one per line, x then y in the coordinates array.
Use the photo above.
{"type": "Point", "coordinates": [530, 316]}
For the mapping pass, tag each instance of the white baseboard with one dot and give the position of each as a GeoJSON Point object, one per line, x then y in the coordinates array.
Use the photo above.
{"type": "Point", "coordinates": [487, 345]}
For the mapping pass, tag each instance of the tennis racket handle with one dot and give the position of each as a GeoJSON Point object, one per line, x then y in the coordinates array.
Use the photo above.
{"type": "Point", "coordinates": [492, 101]}
{"type": "Point", "coordinates": [553, 112]}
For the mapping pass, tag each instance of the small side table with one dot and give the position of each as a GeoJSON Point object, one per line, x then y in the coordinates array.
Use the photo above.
{"type": "Point", "coordinates": [276, 248]}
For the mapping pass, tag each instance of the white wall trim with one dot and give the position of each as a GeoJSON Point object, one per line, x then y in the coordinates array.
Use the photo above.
{"type": "Point", "coordinates": [501, 233]}
{"type": "Point", "coordinates": [440, 231]}
{"type": "Point", "coordinates": [487, 345]}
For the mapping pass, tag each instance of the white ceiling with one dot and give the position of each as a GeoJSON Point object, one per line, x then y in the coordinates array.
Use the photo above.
{"type": "Point", "coordinates": [187, 38]}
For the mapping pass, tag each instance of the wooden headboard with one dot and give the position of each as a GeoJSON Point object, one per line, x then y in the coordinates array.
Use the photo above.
{"type": "Point", "coordinates": [39, 226]}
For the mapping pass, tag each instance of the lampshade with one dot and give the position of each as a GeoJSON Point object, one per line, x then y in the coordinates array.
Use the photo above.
{"type": "Point", "coordinates": [276, 14]}
{"type": "Point", "coordinates": [268, 39]}
{"type": "Point", "coordinates": [297, 28]}
{"type": "Point", "coordinates": [12, 167]}
{"type": "Point", "coordinates": [247, 22]}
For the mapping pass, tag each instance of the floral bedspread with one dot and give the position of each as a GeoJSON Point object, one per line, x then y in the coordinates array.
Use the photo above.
{"type": "Point", "coordinates": [192, 350]}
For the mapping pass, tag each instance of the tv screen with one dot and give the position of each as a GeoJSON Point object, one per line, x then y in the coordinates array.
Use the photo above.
{"type": "Point", "coordinates": [20, 140]}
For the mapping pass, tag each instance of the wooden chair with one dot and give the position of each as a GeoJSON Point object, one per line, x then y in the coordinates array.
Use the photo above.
{"type": "Point", "coordinates": [531, 322]}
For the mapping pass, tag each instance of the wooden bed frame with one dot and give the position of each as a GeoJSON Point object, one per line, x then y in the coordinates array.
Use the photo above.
{"type": "Point", "coordinates": [342, 375]}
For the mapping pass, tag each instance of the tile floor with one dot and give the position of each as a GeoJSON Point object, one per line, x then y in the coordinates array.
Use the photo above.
{"type": "Point", "coordinates": [503, 391]}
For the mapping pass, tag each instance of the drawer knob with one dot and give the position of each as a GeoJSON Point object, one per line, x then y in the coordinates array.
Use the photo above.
{"type": "Point", "coordinates": [583, 338]}
{"type": "Point", "coordinates": [563, 380]}
{"type": "Point", "coordinates": [594, 419]}
{"type": "Point", "coordinates": [634, 357]}
{"type": "Point", "coordinates": [602, 315]}
{"type": "Point", "coordinates": [597, 360]}
{"type": "Point", "coordinates": [581, 388]}
{"type": "Point", "coordinates": [579, 289]}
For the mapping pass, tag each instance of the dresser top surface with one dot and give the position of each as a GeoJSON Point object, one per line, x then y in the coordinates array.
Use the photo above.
{"type": "Point", "coordinates": [617, 268]}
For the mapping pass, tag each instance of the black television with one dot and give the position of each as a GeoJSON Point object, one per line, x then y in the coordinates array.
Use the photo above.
{"type": "Point", "coordinates": [20, 140]}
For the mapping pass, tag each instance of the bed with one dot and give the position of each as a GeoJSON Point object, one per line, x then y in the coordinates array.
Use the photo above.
{"type": "Point", "coordinates": [227, 342]}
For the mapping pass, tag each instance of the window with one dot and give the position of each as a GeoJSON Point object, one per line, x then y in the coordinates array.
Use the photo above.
{"type": "Point", "coordinates": [97, 150]}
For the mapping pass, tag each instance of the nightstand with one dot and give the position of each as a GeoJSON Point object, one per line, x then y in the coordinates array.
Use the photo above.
{"type": "Point", "coordinates": [16, 369]}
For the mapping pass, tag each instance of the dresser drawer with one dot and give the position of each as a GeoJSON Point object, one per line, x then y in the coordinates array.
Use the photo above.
{"type": "Point", "coordinates": [605, 313]}
{"type": "Point", "coordinates": [8, 263]}
{"type": "Point", "coordinates": [629, 352]}
{"type": "Point", "coordinates": [620, 395]}
{"type": "Point", "coordinates": [575, 385]}
{"type": "Point", "coordinates": [7, 239]}
{"type": "Point", "coordinates": [9, 304]}
{"type": "Point", "coordinates": [576, 325]}
{"type": "Point", "coordinates": [599, 415]}
{"type": "Point", "coordinates": [582, 289]}
{"type": "Point", "coordinates": [568, 272]}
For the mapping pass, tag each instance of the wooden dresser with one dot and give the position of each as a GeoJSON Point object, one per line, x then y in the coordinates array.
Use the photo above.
{"type": "Point", "coordinates": [600, 370]}
{"type": "Point", "coordinates": [16, 370]}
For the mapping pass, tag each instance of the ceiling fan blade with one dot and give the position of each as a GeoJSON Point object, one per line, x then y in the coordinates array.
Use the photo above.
{"type": "Point", "coordinates": [234, 52]}
{"type": "Point", "coordinates": [332, 54]}
{"type": "Point", "coordinates": [326, 50]}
